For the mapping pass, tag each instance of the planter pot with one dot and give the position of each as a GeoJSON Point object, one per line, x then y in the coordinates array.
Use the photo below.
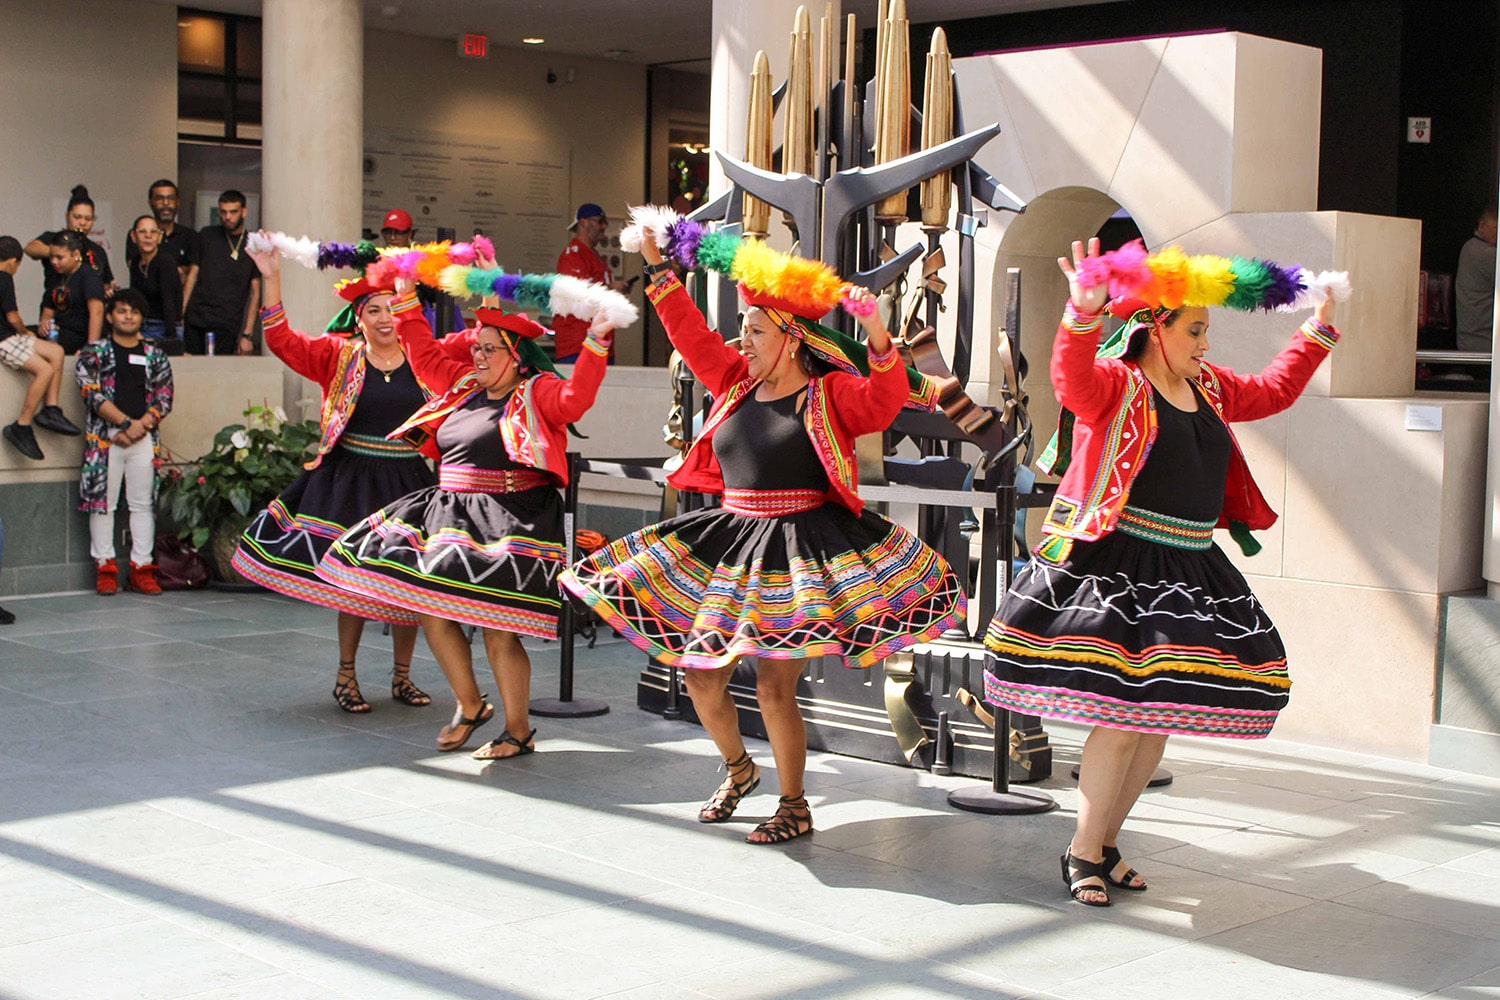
{"type": "Point", "coordinates": [222, 542]}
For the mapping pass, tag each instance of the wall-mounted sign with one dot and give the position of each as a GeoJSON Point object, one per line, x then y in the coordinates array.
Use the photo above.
{"type": "Point", "coordinates": [474, 46]}
{"type": "Point", "coordinates": [1419, 130]}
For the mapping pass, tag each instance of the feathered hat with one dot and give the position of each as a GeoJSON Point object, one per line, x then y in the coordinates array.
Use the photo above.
{"type": "Point", "coordinates": [794, 292]}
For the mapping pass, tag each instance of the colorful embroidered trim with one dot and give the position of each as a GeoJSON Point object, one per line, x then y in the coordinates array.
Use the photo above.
{"type": "Point", "coordinates": [1165, 530]}
{"type": "Point", "coordinates": [375, 446]}
{"type": "Point", "coordinates": [1077, 322]}
{"type": "Point", "coordinates": [1078, 706]}
{"type": "Point", "coordinates": [469, 479]}
{"type": "Point", "coordinates": [1324, 336]}
{"type": "Point", "coordinates": [771, 503]}
{"type": "Point", "coordinates": [272, 314]}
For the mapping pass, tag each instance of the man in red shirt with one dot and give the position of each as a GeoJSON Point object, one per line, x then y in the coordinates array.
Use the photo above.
{"type": "Point", "coordinates": [581, 261]}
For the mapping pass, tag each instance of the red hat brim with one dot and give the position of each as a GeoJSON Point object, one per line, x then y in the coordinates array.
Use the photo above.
{"type": "Point", "coordinates": [359, 288]}
{"type": "Point", "coordinates": [517, 323]}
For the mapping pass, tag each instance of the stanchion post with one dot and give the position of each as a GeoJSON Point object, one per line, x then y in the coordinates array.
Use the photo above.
{"type": "Point", "coordinates": [564, 706]}
{"type": "Point", "coordinates": [673, 710]}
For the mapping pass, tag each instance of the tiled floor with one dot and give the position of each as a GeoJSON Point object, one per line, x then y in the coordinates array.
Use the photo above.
{"type": "Point", "coordinates": [184, 813]}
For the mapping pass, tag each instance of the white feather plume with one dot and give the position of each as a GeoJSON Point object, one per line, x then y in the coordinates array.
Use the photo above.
{"type": "Point", "coordinates": [304, 251]}
{"type": "Point", "coordinates": [1316, 287]}
{"type": "Point", "coordinates": [589, 301]}
{"type": "Point", "coordinates": [653, 219]}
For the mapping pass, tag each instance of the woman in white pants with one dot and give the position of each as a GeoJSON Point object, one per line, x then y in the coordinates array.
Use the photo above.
{"type": "Point", "coordinates": [127, 389]}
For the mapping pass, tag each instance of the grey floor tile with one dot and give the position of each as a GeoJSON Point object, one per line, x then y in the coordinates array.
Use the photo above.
{"type": "Point", "coordinates": [1460, 901]}
{"type": "Point", "coordinates": [40, 905]}
{"type": "Point", "coordinates": [284, 987]}
{"type": "Point", "coordinates": [106, 834]}
{"type": "Point", "coordinates": [109, 638]}
{"type": "Point", "coordinates": [1485, 986]}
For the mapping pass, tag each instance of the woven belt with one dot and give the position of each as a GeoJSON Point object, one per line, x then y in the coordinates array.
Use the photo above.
{"type": "Point", "coordinates": [468, 479]}
{"type": "Point", "coordinates": [1165, 530]}
{"type": "Point", "coordinates": [374, 446]}
{"type": "Point", "coordinates": [771, 503]}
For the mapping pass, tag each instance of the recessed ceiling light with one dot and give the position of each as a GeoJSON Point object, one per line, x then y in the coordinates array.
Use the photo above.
{"type": "Point", "coordinates": [390, 10]}
{"type": "Point", "coordinates": [533, 41]}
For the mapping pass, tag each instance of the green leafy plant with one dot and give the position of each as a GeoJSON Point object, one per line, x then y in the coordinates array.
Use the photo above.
{"type": "Point", "coordinates": [249, 465]}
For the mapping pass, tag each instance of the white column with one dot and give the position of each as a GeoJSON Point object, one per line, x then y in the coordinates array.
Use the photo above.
{"type": "Point", "coordinates": [313, 146]}
{"type": "Point", "coordinates": [1492, 485]}
{"type": "Point", "coordinates": [740, 30]}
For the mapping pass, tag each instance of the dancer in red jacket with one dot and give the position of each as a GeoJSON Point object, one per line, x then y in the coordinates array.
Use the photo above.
{"type": "Point", "coordinates": [485, 545]}
{"type": "Point", "coordinates": [791, 566]}
{"type": "Point", "coordinates": [1130, 618]}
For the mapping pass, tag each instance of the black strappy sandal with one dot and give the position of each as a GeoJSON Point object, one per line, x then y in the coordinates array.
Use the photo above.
{"type": "Point", "coordinates": [784, 823]}
{"type": "Point", "coordinates": [466, 726]}
{"type": "Point", "coordinates": [1076, 871]}
{"type": "Point", "coordinates": [726, 799]}
{"type": "Point", "coordinates": [403, 690]}
{"type": "Point", "coordinates": [523, 747]}
{"type": "Point", "coordinates": [1112, 860]}
{"type": "Point", "coordinates": [346, 690]}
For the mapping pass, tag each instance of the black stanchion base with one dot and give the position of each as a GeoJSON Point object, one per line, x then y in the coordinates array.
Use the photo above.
{"type": "Point", "coordinates": [1161, 778]}
{"type": "Point", "coordinates": [578, 708]}
{"type": "Point", "coordinates": [1016, 802]}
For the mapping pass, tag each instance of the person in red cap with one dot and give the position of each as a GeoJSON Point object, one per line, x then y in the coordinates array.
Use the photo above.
{"type": "Point", "coordinates": [396, 228]}
{"type": "Point", "coordinates": [1130, 618]}
{"type": "Point", "coordinates": [792, 566]}
{"type": "Point", "coordinates": [484, 547]}
{"type": "Point", "coordinates": [581, 260]}
{"type": "Point", "coordinates": [369, 388]}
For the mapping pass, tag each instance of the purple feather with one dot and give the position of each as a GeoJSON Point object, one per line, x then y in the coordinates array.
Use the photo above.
{"type": "Point", "coordinates": [683, 238]}
{"type": "Point", "coordinates": [336, 255]}
{"type": "Point", "coordinates": [1286, 284]}
{"type": "Point", "coordinates": [505, 286]}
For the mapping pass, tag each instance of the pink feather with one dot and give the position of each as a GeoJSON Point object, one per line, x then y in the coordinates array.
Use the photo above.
{"type": "Point", "coordinates": [483, 247]}
{"type": "Point", "coordinates": [1129, 272]}
{"type": "Point", "coordinates": [382, 273]}
{"type": "Point", "coordinates": [407, 263]}
{"type": "Point", "coordinates": [857, 307]}
{"type": "Point", "coordinates": [461, 253]}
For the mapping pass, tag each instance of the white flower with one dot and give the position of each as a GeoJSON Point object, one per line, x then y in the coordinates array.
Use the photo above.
{"type": "Point", "coordinates": [280, 415]}
{"type": "Point", "coordinates": [240, 439]}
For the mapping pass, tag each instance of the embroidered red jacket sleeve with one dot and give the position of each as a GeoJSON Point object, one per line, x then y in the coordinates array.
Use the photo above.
{"type": "Point", "coordinates": [564, 400]}
{"type": "Point", "coordinates": [1088, 386]}
{"type": "Point", "coordinates": [712, 362]}
{"type": "Point", "coordinates": [430, 362]}
{"type": "Point", "coordinates": [868, 405]}
{"type": "Point", "coordinates": [1277, 386]}
{"type": "Point", "coordinates": [311, 357]}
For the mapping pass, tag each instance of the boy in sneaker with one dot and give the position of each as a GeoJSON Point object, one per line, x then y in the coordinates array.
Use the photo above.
{"type": "Point", "coordinates": [41, 359]}
{"type": "Point", "coordinates": [127, 389]}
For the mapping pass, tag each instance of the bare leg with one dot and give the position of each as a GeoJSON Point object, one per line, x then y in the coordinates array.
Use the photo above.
{"type": "Point", "coordinates": [512, 669]}
{"type": "Point", "coordinates": [1143, 765]}
{"type": "Point", "coordinates": [1107, 756]}
{"type": "Point", "coordinates": [346, 685]}
{"type": "Point", "coordinates": [53, 355]}
{"type": "Point", "coordinates": [776, 690]}
{"type": "Point", "coordinates": [709, 690]}
{"type": "Point", "coordinates": [450, 646]}
{"type": "Point", "coordinates": [403, 644]}
{"type": "Point", "coordinates": [43, 378]}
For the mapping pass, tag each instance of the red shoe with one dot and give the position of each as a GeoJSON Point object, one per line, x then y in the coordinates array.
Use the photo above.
{"type": "Point", "coordinates": [108, 580]}
{"type": "Point", "coordinates": [143, 579]}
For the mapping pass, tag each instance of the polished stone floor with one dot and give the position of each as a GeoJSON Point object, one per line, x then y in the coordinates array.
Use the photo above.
{"type": "Point", "coordinates": [184, 813]}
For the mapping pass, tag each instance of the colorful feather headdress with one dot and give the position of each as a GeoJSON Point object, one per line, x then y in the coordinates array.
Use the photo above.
{"type": "Point", "coordinates": [1170, 278]}
{"type": "Point", "coordinates": [451, 267]}
{"type": "Point", "coordinates": [794, 291]}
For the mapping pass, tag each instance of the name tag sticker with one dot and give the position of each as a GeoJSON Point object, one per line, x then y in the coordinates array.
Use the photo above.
{"type": "Point", "coordinates": [1424, 418]}
{"type": "Point", "coordinates": [138, 359]}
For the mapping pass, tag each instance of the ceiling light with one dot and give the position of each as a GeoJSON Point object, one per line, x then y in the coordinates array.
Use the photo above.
{"type": "Point", "coordinates": [533, 41]}
{"type": "Point", "coordinates": [390, 10]}
{"type": "Point", "coordinates": [616, 54]}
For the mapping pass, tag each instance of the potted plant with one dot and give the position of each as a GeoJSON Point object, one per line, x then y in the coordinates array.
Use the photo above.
{"type": "Point", "coordinates": [212, 498]}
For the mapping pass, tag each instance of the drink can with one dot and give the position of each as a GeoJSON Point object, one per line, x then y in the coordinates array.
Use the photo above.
{"type": "Point", "coordinates": [208, 343]}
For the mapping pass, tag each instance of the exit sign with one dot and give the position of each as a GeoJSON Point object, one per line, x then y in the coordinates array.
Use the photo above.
{"type": "Point", "coordinates": [474, 46]}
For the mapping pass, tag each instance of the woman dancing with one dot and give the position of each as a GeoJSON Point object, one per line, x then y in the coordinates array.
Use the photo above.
{"type": "Point", "coordinates": [368, 390]}
{"type": "Point", "coordinates": [791, 566]}
{"type": "Point", "coordinates": [483, 547]}
{"type": "Point", "coordinates": [1131, 618]}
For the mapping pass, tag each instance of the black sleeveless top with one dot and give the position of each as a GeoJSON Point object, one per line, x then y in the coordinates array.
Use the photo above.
{"type": "Point", "coordinates": [1184, 474]}
{"type": "Point", "coordinates": [471, 435]}
{"type": "Point", "coordinates": [383, 406]}
{"type": "Point", "coordinates": [764, 446]}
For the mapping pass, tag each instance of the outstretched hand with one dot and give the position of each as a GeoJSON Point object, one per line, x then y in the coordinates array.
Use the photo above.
{"type": "Point", "coordinates": [1085, 300]}
{"type": "Point", "coordinates": [404, 286]}
{"type": "Point", "coordinates": [1324, 312]}
{"type": "Point", "coordinates": [267, 260]}
{"type": "Point", "coordinates": [876, 335]}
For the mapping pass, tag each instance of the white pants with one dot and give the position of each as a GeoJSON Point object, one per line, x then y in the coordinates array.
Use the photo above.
{"type": "Point", "coordinates": [132, 466]}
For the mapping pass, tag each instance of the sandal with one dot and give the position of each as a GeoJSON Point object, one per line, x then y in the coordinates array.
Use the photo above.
{"type": "Point", "coordinates": [463, 727]}
{"type": "Point", "coordinates": [1077, 871]}
{"type": "Point", "coordinates": [403, 690]}
{"type": "Point", "coordinates": [785, 824]}
{"type": "Point", "coordinates": [726, 799]}
{"type": "Point", "coordinates": [1112, 860]}
{"type": "Point", "coordinates": [346, 690]}
{"type": "Point", "coordinates": [523, 747]}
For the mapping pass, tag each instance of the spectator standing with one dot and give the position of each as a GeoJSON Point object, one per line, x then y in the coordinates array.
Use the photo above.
{"type": "Point", "coordinates": [76, 302]}
{"type": "Point", "coordinates": [42, 359]}
{"type": "Point", "coordinates": [179, 242]}
{"type": "Point", "coordinates": [396, 230]}
{"type": "Point", "coordinates": [581, 261]}
{"type": "Point", "coordinates": [1474, 286]}
{"type": "Point", "coordinates": [222, 292]}
{"type": "Point", "coordinates": [153, 273]}
{"type": "Point", "coordinates": [80, 220]}
{"type": "Point", "coordinates": [127, 390]}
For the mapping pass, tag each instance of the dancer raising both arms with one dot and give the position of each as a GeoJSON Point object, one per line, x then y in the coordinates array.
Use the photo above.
{"type": "Point", "coordinates": [1130, 618]}
{"type": "Point", "coordinates": [791, 566]}
{"type": "Point", "coordinates": [483, 547]}
{"type": "Point", "coordinates": [368, 390]}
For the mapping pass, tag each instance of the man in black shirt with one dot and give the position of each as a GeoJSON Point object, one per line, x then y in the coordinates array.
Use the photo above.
{"type": "Point", "coordinates": [41, 359]}
{"type": "Point", "coordinates": [179, 242]}
{"type": "Point", "coordinates": [222, 293]}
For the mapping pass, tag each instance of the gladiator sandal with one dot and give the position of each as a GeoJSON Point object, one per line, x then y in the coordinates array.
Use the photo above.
{"type": "Point", "coordinates": [743, 778]}
{"type": "Point", "coordinates": [403, 690]}
{"type": "Point", "coordinates": [346, 690]}
{"type": "Point", "coordinates": [785, 824]}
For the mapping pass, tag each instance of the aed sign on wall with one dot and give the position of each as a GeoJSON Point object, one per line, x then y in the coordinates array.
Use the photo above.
{"type": "Point", "coordinates": [1419, 130]}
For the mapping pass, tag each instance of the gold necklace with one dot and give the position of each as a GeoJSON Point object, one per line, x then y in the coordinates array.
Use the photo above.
{"type": "Point", "coordinates": [234, 245]}
{"type": "Point", "coordinates": [377, 361]}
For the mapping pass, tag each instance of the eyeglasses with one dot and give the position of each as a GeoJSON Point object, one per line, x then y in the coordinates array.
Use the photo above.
{"type": "Point", "coordinates": [488, 350]}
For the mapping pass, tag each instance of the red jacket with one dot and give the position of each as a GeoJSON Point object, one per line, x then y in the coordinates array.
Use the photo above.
{"type": "Point", "coordinates": [337, 364]}
{"type": "Point", "coordinates": [1115, 426]}
{"type": "Point", "coordinates": [840, 406]}
{"type": "Point", "coordinates": [536, 419]}
{"type": "Point", "coordinates": [579, 260]}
